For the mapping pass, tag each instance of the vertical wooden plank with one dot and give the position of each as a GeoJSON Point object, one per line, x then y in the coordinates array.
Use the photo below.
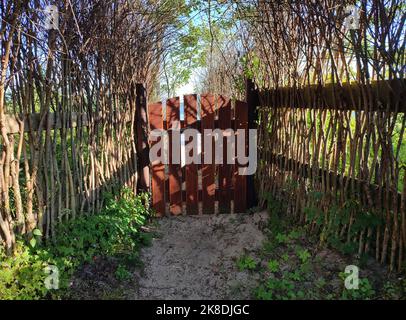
{"type": "Point", "coordinates": [175, 173]}
{"type": "Point", "coordinates": [225, 170]}
{"type": "Point", "coordinates": [208, 169]}
{"type": "Point", "coordinates": [240, 187]}
{"type": "Point", "coordinates": [191, 170]}
{"type": "Point", "coordinates": [252, 99]}
{"type": "Point", "coordinates": [157, 167]}
{"type": "Point", "coordinates": [142, 139]}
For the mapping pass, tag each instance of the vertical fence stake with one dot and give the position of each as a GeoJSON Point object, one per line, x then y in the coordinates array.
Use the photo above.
{"type": "Point", "coordinates": [208, 169]}
{"type": "Point", "coordinates": [143, 183]}
{"type": "Point", "coordinates": [175, 168]}
{"type": "Point", "coordinates": [240, 181]}
{"type": "Point", "coordinates": [191, 170]}
{"type": "Point", "coordinates": [252, 99]}
{"type": "Point", "coordinates": [156, 122]}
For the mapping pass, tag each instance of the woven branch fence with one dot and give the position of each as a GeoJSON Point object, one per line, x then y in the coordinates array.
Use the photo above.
{"type": "Point", "coordinates": [71, 108]}
{"type": "Point", "coordinates": [333, 153]}
{"type": "Point", "coordinates": [331, 79]}
{"type": "Point", "coordinates": [57, 165]}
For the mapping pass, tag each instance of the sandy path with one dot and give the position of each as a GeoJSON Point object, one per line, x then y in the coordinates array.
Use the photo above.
{"type": "Point", "coordinates": [194, 257]}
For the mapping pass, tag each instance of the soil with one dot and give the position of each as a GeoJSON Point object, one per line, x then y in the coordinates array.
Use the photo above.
{"type": "Point", "coordinates": [191, 257]}
{"type": "Point", "coordinates": [195, 257]}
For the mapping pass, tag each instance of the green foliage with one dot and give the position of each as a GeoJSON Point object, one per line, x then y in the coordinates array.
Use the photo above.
{"type": "Point", "coordinates": [293, 272]}
{"type": "Point", "coordinates": [326, 224]}
{"type": "Point", "coordinates": [393, 290]}
{"type": "Point", "coordinates": [320, 283]}
{"type": "Point", "coordinates": [22, 276]}
{"type": "Point", "coordinates": [273, 265]}
{"type": "Point", "coordinates": [364, 291]}
{"type": "Point", "coordinates": [246, 263]}
{"type": "Point", "coordinates": [284, 284]}
{"type": "Point", "coordinates": [122, 273]}
{"type": "Point", "coordinates": [287, 284]}
{"type": "Point", "coordinates": [285, 257]}
{"type": "Point", "coordinates": [276, 224]}
{"type": "Point", "coordinates": [295, 234]}
{"type": "Point", "coordinates": [282, 238]}
{"type": "Point", "coordinates": [114, 231]}
{"type": "Point", "coordinates": [331, 222]}
{"type": "Point", "coordinates": [303, 254]}
{"type": "Point", "coordinates": [283, 288]}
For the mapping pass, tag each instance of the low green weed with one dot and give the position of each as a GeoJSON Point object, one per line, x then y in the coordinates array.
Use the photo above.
{"type": "Point", "coordinates": [113, 232]}
{"type": "Point", "coordinates": [246, 263]}
{"type": "Point", "coordinates": [122, 273]}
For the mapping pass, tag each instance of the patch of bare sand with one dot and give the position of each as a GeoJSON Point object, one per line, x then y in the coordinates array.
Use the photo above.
{"type": "Point", "coordinates": [194, 257]}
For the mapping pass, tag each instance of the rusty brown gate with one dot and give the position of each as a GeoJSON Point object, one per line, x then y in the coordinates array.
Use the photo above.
{"type": "Point", "coordinates": [197, 188]}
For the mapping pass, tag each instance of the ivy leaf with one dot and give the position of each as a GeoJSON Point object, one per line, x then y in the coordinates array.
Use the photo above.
{"type": "Point", "coordinates": [37, 232]}
{"type": "Point", "coordinates": [33, 242]}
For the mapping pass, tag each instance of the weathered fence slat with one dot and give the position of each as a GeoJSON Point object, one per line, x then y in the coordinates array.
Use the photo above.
{"type": "Point", "coordinates": [157, 167]}
{"type": "Point", "coordinates": [191, 170]}
{"type": "Point", "coordinates": [73, 120]}
{"type": "Point", "coordinates": [240, 188]}
{"type": "Point", "coordinates": [225, 170]}
{"type": "Point", "coordinates": [143, 184]}
{"type": "Point", "coordinates": [387, 95]}
{"type": "Point", "coordinates": [252, 99]}
{"type": "Point", "coordinates": [208, 169]}
{"type": "Point", "coordinates": [175, 174]}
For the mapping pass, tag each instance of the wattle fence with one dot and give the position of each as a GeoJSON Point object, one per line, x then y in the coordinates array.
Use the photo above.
{"type": "Point", "coordinates": [334, 157]}
{"type": "Point", "coordinates": [56, 166]}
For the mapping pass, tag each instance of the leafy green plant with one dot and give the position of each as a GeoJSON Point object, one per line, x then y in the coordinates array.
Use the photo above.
{"type": "Point", "coordinates": [285, 257]}
{"type": "Point", "coordinates": [294, 272]}
{"type": "Point", "coordinates": [295, 234]}
{"type": "Point", "coordinates": [115, 231]}
{"type": "Point", "coordinates": [295, 275]}
{"type": "Point", "coordinates": [22, 276]}
{"type": "Point", "coordinates": [246, 263]}
{"type": "Point", "coordinates": [273, 265]}
{"type": "Point", "coordinates": [122, 273]}
{"type": "Point", "coordinates": [282, 238]}
{"type": "Point", "coordinates": [320, 283]}
{"type": "Point", "coordinates": [303, 254]}
{"type": "Point", "coordinates": [365, 290]}
{"type": "Point", "coordinates": [280, 289]}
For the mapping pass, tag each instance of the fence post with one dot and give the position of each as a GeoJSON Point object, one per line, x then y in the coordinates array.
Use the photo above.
{"type": "Point", "coordinates": [252, 100]}
{"type": "Point", "coordinates": [143, 183]}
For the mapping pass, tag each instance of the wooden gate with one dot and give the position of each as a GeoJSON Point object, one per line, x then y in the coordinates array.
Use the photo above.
{"type": "Point", "coordinates": [197, 188]}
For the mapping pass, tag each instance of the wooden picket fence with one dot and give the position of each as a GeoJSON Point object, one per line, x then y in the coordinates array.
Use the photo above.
{"type": "Point", "coordinates": [198, 188]}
